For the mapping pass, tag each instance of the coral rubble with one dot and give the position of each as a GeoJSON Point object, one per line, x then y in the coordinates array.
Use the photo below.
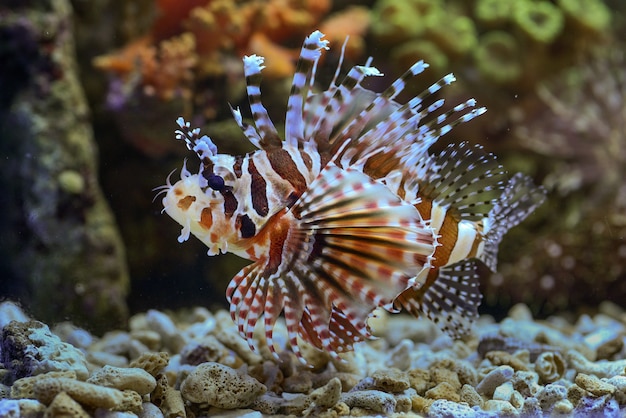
{"type": "Point", "coordinates": [491, 373]}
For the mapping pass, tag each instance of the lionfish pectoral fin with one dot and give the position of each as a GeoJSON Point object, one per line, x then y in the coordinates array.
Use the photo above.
{"type": "Point", "coordinates": [519, 199]}
{"type": "Point", "coordinates": [355, 245]}
{"type": "Point", "coordinates": [451, 300]}
{"type": "Point", "coordinates": [462, 177]}
{"type": "Point", "coordinates": [361, 234]}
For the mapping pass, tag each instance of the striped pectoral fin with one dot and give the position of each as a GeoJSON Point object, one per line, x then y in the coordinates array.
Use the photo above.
{"type": "Point", "coordinates": [355, 245]}
{"type": "Point", "coordinates": [346, 246]}
{"type": "Point", "coordinates": [451, 300]}
{"type": "Point", "coordinates": [360, 236]}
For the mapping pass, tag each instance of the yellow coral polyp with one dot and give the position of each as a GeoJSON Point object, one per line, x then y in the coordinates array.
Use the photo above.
{"type": "Point", "coordinates": [589, 15]}
{"type": "Point", "coordinates": [498, 57]}
{"type": "Point", "coordinates": [493, 13]}
{"type": "Point", "coordinates": [541, 22]}
{"type": "Point", "coordinates": [457, 37]}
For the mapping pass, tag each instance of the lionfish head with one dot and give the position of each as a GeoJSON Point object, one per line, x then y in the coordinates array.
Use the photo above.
{"type": "Point", "coordinates": [204, 203]}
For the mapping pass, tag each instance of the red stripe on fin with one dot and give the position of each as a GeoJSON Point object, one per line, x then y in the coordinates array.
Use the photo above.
{"type": "Point", "coordinates": [351, 245]}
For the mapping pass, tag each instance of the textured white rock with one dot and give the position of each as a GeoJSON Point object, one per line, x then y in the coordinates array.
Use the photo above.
{"type": "Point", "coordinates": [220, 386]}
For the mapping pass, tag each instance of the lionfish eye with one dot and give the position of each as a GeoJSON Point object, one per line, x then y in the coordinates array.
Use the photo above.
{"type": "Point", "coordinates": [216, 182]}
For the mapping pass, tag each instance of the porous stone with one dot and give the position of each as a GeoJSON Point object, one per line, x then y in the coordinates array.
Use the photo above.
{"type": "Point", "coordinates": [493, 379]}
{"type": "Point", "coordinates": [563, 407]}
{"type": "Point", "coordinates": [268, 403]}
{"type": "Point", "coordinates": [601, 369]}
{"type": "Point", "coordinates": [151, 362]}
{"type": "Point", "coordinates": [324, 398]}
{"type": "Point", "coordinates": [531, 408]}
{"type": "Point", "coordinates": [372, 400]}
{"type": "Point", "coordinates": [419, 380]}
{"type": "Point", "coordinates": [575, 393]}
{"type": "Point", "coordinates": [172, 403]}
{"type": "Point", "coordinates": [101, 358]}
{"type": "Point", "coordinates": [73, 335]}
{"type": "Point", "coordinates": [268, 373]}
{"type": "Point", "coordinates": [390, 380]}
{"type": "Point", "coordinates": [443, 408]}
{"type": "Point", "coordinates": [500, 358]}
{"type": "Point", "coordinates": [620, 384]}
{"type": "Point", "coordinates": [594, 406]}
{"type": "Point", "coordinates": [23, 388]}
{"type": "Point", "coordinates": [29, 349]}
{"type": "Point", "coordinates": [404, 401]}
{"type": "Point", "coordinates": [64, 406]}
{"type": "Point", "coordinates": [443, 374]}
{"type": "Point", "coordinates": [444, 390]}
{"type": "Point", "coordinates": [132, 378]}
{"type": "Point", "coordinates": [594, 385]}
{"type": "Point", "coordinates": [501, 408]}
{"type": "Point", "coordinates": [232, 340]}
{"type": "Point", "coordinates": [526, 383]}
{"type": "Point", "coordinates": [149, 338]}
{"type": "Point", "coordinates": [550, 394]}
{"type": "Point", "coordinates": [207, 349]}
{"type": "Point", "coordinates": [469, 395]}
{"type": "Point", "coordinates": [87, 394]}
{"type": "Point", "coordinates": [606, 341]}
{"type": "Point", "coordinates": [220, 386]}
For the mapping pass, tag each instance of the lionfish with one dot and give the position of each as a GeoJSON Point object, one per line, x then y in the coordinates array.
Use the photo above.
{"type": "Point", "coordinates": [349, 212]}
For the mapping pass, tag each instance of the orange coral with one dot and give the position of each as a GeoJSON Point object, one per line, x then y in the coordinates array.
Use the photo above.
{"type": "Point", "coordinates": [164, 70]}
{"type": "Point", "coordinates": [354, 22]}
{"type": "Point", "coordinates": [194, 41]}
{"type": "Point", "coordinates": [218, 27]}
{"type": "Point", "coordinates": [279, 61]}
{"type": "Point", "coordinates": [171, 15]}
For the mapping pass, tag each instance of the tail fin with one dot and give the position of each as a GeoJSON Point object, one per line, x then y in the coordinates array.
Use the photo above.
{"type": "Point", "coordinates": [519, 199]}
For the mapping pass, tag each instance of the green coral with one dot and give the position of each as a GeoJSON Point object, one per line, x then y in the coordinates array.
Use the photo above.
{"type": "Point", "coordinates": [399, 21]}
{"type": "Point", "coordinates": [455, 36]}
{"type": "Point", "coordinates": [410, 52]}
{"type": "Point", "coordinates": [542, 22]}
{"type": "Point", "coordinates": [589, 15]}
{"type": "Point", "coordinates": [493, 13]}
{"type": "Point", "coordinates": [544, 35]}
{"type": "Point", "coordinates": [498, 58]}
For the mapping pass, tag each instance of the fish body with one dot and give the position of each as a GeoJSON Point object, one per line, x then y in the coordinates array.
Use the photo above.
{"type": "Point", "coordinates": [349, 212]}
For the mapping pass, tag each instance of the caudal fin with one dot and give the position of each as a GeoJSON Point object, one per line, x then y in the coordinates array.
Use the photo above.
{"type": "Point", "coordinates": [519, 199]}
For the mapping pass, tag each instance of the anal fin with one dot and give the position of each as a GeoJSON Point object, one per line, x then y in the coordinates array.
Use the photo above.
{"type": "Point", "coordinates": [450, 300]}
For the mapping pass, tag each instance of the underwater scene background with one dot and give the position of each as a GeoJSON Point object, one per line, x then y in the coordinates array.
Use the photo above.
{"type": "Point", "coordinates": [89, 95]}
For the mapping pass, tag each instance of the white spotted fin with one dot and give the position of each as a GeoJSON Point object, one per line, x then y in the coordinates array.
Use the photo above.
{"type": "Point", "coordinates": [462, 179]}
{"type": "Point", "coordinates": [451, 301]}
